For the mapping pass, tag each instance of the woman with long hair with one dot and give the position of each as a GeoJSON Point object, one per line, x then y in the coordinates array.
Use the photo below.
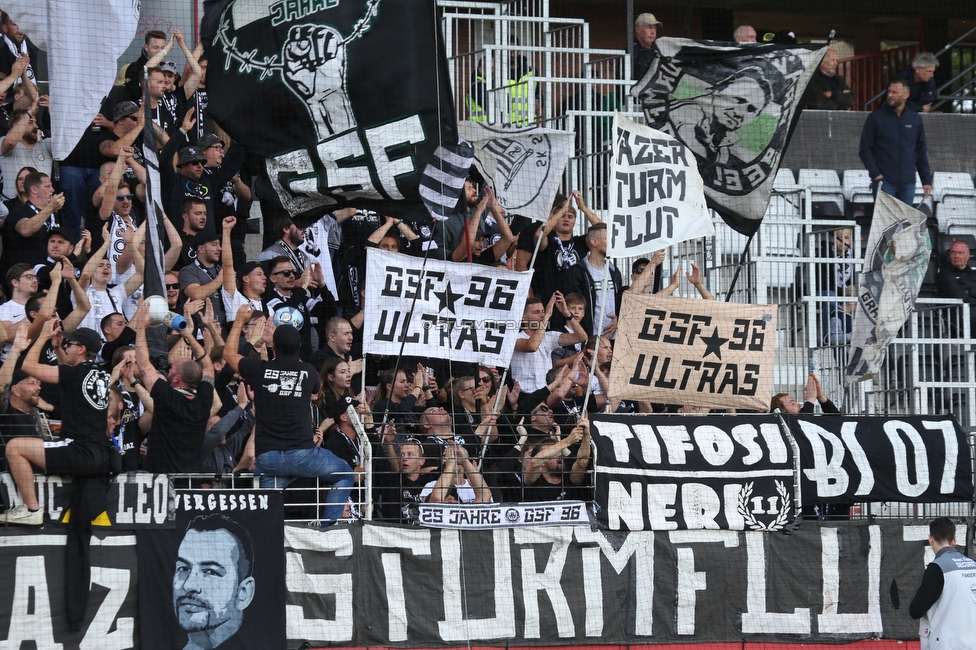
{"type": "Point", "coordinates": [21, 196]}
{"type": "Point", "coordinates": [336, 378]}
{"type": "Point", "coordinates": [400, 398]}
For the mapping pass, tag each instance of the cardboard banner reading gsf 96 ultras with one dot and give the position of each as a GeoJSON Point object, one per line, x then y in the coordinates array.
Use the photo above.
{"type": "Point", "coordinates": [694, 352]}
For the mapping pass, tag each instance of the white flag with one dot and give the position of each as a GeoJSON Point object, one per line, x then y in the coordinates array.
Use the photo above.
{"type": "Point", "coordinates": [897, 257]}
{"type": "Point", "coordinates": [83, 41]}
{"type": "Point", "coordinates": [658, 195]}
{"type": "Point", "coordinates": [523, 166]}
{"type": "Point", "coordinates": [443, 310]}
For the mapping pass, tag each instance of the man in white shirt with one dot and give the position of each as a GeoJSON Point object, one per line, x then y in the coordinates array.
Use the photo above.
{"type": "Point", "coordinates": [533, 349]}
{"type": "Point", "coordinates": [253, 280]}
{"type": "Point", "coordinates": [106, 299]}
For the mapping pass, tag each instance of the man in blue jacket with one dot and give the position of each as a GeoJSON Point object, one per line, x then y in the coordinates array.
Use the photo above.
{"type": "Point", "coordinates": [893, 147]}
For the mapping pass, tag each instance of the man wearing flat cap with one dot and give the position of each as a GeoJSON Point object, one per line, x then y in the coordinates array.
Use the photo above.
{"type": "Point", "coordinates": [126, 131]}
{"type": "Point", "coordinates": [283, 445]}
{"type": "Point", "coordinates": [645, 33]}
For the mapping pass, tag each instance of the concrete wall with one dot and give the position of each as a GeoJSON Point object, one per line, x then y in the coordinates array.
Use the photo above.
{"type": "Point", "coordinates": [830, 139]}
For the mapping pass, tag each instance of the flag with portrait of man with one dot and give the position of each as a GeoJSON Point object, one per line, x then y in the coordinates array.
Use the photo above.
{"type": "Point", "coordinates": [735, 108]}
{"type": "Point", "coordinates": [216, 579]}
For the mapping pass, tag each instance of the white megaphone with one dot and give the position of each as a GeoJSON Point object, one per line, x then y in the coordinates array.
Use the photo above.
{"type": "Point", "coordinates": [161, 315]}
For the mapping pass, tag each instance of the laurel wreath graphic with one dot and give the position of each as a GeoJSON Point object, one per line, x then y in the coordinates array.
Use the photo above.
{"type": "Point", "coordinates": [268, 65]}
{"type": "Point", "coordinates": [751, 521]}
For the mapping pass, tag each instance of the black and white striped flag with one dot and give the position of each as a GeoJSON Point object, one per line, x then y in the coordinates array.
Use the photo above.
{"type": "Point", "coordinates": [443, 179]}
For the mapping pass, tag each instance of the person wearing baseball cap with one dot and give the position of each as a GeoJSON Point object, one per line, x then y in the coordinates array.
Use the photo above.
{"type": "Point", "coordinates": [85, 451]}
{"type": "Point", "coordinates": [186, 179]}
{"type": "Point", "coordinates": [645, 33]}
{"type": "Point", "coordinates": [169, 70]}
{"type": "Point", "coordinates": [128, 119]}
{"type": "Point", "coordinates": [19, 410]}
{"type": "Point", "coordinates": [221, 174]}
{"type": "Point", "coordinates": [203, 278]}
{"type": "Point", "coordinates": [343, 440]}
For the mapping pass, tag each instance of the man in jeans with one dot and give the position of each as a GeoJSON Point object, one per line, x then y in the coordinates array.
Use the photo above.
{"type": "Point", "coordinates": [282, 447]}
{"type": "Point", "coordinates": [893, 147]}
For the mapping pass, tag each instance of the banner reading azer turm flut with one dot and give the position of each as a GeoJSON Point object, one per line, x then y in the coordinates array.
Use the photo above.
{"type": "Point", "coordinates": [734, 107]}
{"type": "Point", "coordinates": [346, 100]}
{"type": "Point", "coordinates": [657, 194]}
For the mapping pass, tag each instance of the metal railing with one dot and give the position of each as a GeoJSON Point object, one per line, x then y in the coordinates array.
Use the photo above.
{"type": "Point", "coordinates": [866, 73]}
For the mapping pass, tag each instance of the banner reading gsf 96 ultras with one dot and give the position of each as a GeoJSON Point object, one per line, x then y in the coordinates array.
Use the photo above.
{"type": "Point", "coordinates": [694, 352]}
{"type": "Point", "coordinates": [443, 310]}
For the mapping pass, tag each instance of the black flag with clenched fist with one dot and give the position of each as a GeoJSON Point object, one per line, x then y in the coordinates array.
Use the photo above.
{"type": "Point", "coordinates": [347, 101]}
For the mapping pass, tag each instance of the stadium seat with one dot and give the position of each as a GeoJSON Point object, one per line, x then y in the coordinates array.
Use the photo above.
{"type": "Point", "coordinates": [956, 214]}
{"type": "Point", "coordinates": [778, 251]}
{"type": "Point", "coordinates": [952, 184]}
{"type": "Point", "coordinates": [784, 180]}
{"type": "Point", "coordinates": [857, 186]}
{"type": "Point", "coordinates": [827, 194]}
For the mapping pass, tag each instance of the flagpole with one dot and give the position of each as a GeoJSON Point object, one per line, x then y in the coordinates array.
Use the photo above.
{"type": "Point", "coordinates": [738, 269]}
{"type": "Point", "coordinates": [495, 411]}
{"type": "Point", "coordinates": [538, 242]}
{"type": "Point", "coordinates": [607, 287]}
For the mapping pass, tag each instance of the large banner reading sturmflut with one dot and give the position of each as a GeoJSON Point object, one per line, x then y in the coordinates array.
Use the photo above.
{"type": "Point", "coordinates": [444, 310]}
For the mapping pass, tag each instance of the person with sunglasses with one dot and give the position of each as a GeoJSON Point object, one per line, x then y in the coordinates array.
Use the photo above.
{"type": "Point", "coordinates": [96, 280]}
{"type": "Point", "coordinates": [84, 449]}
{"type": "Point", "coordinates": [469, 422]}
{"type": "Point", "coordinates": [186, 180]}
{"type": "Point", "coordinates": [128, 120]}
{"type": "Point", "coordinates": [303, 291]}
{"type": "Point", "coordinates": [80, 169]}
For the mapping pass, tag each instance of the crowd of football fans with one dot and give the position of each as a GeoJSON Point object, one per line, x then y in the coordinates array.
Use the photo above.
{"type": "Point", "coordinates": [75, 334]}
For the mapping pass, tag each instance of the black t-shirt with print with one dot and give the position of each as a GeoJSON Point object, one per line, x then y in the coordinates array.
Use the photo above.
{"type": "Point", "coordinates": [553, 263]}
{"type": "Point", "coordinates": [282, 389]}
{"type": "Point", "coordinates": [84, 412]}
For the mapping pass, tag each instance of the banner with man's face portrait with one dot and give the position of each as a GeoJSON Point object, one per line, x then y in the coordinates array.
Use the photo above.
{"type": "Point", "coordinates": [217, 580]}
{"type": "Point", "coordinates": [734, 108]}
